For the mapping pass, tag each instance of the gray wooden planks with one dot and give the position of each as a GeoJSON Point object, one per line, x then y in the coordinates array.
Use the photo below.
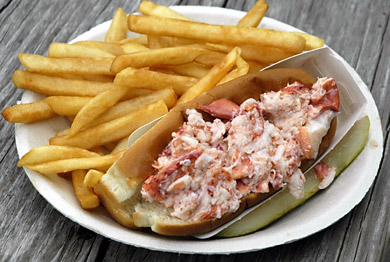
{"type": "Point", "coordinates": [31, 229]}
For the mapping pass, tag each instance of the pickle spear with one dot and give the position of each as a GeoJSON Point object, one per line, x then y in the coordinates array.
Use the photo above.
{"type": "Point", "coordinates": [283, 202]}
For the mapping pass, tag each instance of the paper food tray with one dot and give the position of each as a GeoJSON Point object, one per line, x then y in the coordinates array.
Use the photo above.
{"type": "Point", "coordinates": [319, 63]}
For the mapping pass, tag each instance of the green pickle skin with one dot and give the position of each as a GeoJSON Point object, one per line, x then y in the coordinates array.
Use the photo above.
{"type": "Point", "coordinates": [283, 202]}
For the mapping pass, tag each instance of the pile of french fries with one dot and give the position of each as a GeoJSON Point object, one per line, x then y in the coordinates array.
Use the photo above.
{"type": "Point", "coordinates": [107, 89]}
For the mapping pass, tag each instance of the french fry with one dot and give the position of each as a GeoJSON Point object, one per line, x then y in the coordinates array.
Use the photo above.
{"type": "Point", "coordinates": [264, 54]}
{"type": "Point", "coordinates": [28, 113]}
{"type": "Point", "coordinates": [110, 146]}
{"type": "Point", "coordinates": [110, 47]}
{"type": "Point", "coordinates": [73, 65]}
{"type": "Point", "coordinates": [95, 107]}
{"type": "Point", "coordinates": [62, 132]}
{"type": "Point", "coordinates": [255, 53]}
{"type": "Point", "coordinates": [92, 178]}
{"type": "Point", "coordinates": [157, 57]}
{"type": "Point", "coordinates": [58, 50]}
{"type": "Point", "coordinates": [254, 15]}
{"type": "Point", "coordinates": [147, 79]}
{"type": "Point", "coordinates": [118, 27]}
{"type": "Point", "coordinates": [100, 150]}
{"type": "Point", "coordinates": [191, 69]}
{"type": "Point", "coordinates": [150, 8]}
{"type": "Point", "coordinates": [153, 9]}
{"type": "Point", "coordinates": [210, 58]}
{"type": "Point", "coordinates": [156, 42]}
{"type": "Point", "coordinates": [98, 78]}
{"type": "Point", "coordinates": [133, 47]}
{"type": "Point", "coordinates": [142, 40]}
{"type": "Point", "coordinates": [112, 130]}
{"type": "Point", "coordinates": [126, 107]}
{"type": "Point", "coordinates": [242, 68]}
{"type": "Point", "coordinates": [312, 42]}
{"type": "Point", "coordinates": [67, 105]}
{"type": "Point", "coordinates": [136, 92]}
{"type": "Point", "coordinates": [51, 85]}
{"type": "Point", "coordinates": [48, 153]}
{"type": "Point", "coordinates": [101, 163]}
{"type": "Point", "coordinates": [175, 41]}
{"type": "Point", "coordinates": [87, 198]}
{"type": "Point", "coordinates": [121, 145]}
{"type": "Point", "coordinates": [129, 106]}
{"type": "Point", "coordinates": [120, 109]}
{"type": "Point", "coordinates": [212, 78]}
{"type": "Point", "coordinates": [216, 33]}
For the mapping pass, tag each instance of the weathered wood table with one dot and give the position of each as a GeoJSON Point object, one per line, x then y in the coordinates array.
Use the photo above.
{"type": "Point", "coordinates": [32, 230]}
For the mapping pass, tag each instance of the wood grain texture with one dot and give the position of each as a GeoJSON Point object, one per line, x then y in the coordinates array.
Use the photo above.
{"type": "Point", "coordinates": [32, 230]}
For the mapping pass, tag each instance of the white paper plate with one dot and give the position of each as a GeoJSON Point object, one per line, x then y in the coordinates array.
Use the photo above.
{"type": "Point", "coordinates": [318, 213]}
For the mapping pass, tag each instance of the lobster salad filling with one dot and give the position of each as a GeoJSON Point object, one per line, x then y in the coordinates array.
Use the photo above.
{"type": "Point", "coordinates": [208, 167]}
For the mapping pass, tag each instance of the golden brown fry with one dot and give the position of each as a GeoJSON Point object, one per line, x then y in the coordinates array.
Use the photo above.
{"type": "Point", "coordinates": [312, 42]}
{"type": "Point", "coordinates": [98, 78]}
{"type": "Point", "coordinates": [110, 47]}
{"type": "Point", "coordinates": [100, 150]}
{"type": "Point", "coordinates": [255, 53]}
{"type": "Point", "coordinates": [51, 85]}
{"type": "Point", "coordinates": [112, 130]}
{"type": "Point", "coordinates": [216, 33]}
{"type": "Point", "coordinates": [266, 55]}
{"type": "Point", "coordinates": [118, 27]}
{"type": "Point", "coordinates": [136, 92]}
{"type": "Point", "coordinates": [110, 146]}
{"type": "Point", "coordinates": [95, 107]}
{"type": "Point", "coordinates": [63, 132]}
{"type": "Point", "coordinates": [101, 163]}
{"type": "Point", "coordinates": [133, 47]}
{"type": "Point", "coordinates": [87, 198]}
{"type": "Point", "coordinates": [142, 40]}
{"type": "Point", "coordinates": [242, 68]}
{"type": "Point", "coordinates": [147, 79]}
{"type": "Point", "coordinates": [92, 178]}
{"type": "Point", "coordinates": [28, 113]}
{"type": "Point", "coordinates": [175, 41]}
{"type": "Point", "coordinates": [48, 153]}
{"type": "Point", "coordinates": [150, 8]}
{"type": "Point", "coordinates": [58, 50]}
{"type": "Point", "coordinates": [156, 42]}
{"type": "Point", "coordinates": [191, 69]}
{"type": "Point", "coordinates": [212, 78]}
{"type": "Point", "coordinates": [67, 105]}
{"type": "Point", "coordinates": [157, 57]}
{"type": "Point", "coordinates": [255, 15]}
{"type": "Point", "coordinates": [47, 65]}
{"type": "Point", "coordinates": [121, 145]}
{"type": "Point", "coordinates": [126, 107]}
{"type": "Point", "coordinates": [210, 58]}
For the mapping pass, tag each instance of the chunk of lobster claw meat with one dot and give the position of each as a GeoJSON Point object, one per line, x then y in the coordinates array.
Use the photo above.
{"type": "Point", "coordinates": [221, 108]}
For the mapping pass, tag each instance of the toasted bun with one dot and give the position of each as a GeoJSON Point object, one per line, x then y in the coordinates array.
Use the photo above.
{"type": "Point", "coordinates": [119, 188]}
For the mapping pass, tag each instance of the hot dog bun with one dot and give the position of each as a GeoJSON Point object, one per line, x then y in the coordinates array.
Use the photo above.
{"type": "Point", "coordinates": [119, 189]}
